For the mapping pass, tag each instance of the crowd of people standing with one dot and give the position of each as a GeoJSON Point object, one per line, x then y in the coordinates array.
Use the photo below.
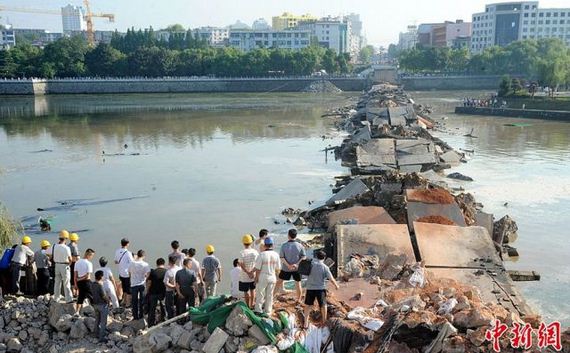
{"type": "Point", "coordinates": [172, 286]}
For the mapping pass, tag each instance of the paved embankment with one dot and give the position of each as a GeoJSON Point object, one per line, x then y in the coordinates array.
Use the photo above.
{"type": "Point", "coordinates": [515, 113]}
{"type": "Point", "coordinates": [173, 85]}
{"type": "Point", "coordinates": [446, 83]}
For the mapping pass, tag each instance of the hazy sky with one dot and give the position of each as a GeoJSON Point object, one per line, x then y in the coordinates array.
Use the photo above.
{"type": "Point", "coordinates": [383, 20]}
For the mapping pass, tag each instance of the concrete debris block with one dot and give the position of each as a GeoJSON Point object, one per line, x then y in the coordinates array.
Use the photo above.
{"type": "Point", "coordinates": [159, 342]}
{"type": "Point", "coordinates": [196, 345]}
{"type": "Point", "coordinates": [451, 157]}
{"type": "Point", "coordinates": [414, 302]}
{"type": "Point", "coordinates": [477, 337]}
{"type": "Point", "coordinates": [114, 325]}
{"type": "Point", "coordinates": [232, 344]}
{"type": "Point", "coordinates": [454, 344]}
{"type": "Point", "coordinates": [188, 326]}
{"type": "Point", "coordinates": [14, 345]}
{"type": "Point", "coordinates": [137, 324]}
{"type": "Point", "coordinates": [23, 335]}
{"type": "Point", "coordinates": [64, 323]}
{"type": "Point", "coordinates": [473, 318]}
{"type": "Point", "coordinates": [237, 322]}
{"type": "Point", "coordinates": [78, 330]}
{"type": "Point", "coordinates": [185, 340]}
{"type": "Point", "coordinates": [459, 176]}
{"type": "Point", "coordinates": [117, 337]}
{"type": "Point", "coordinates": [56, 310]}
{"type": "Point", "coordinates": [43, 340]}
{"type": "Point", "coordinates": [392, 265]}
{"type": "Point", "coordinates": [141, 345]}
{"type": "Point", "coordinates": [505, 230]}
{"type": "Point", "coordinates": [87, 311]}
{"type": "Point", "coordinates": [266, 349]}
{"type": "Point", "coordinates": [175, 331]}
{"type": "Point", "coordinates": [216, 341]}
{"type": "Point", "coordinates": [90, 323]}
{"type": "Point", "coordinates": [352, 190]}
{"type": "Point", "coordinates": [462, 304]}
{"type": "Point", "coordinates": [127, 331]}
{"type": "Point", "coordinates": [255, 332]}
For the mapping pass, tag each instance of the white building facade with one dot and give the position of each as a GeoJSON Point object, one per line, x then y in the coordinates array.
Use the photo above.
{"type": "Point", "coordinates": [331, 33]}
{"type": "Point", "coordinates": [287, 39]}
{"type": "Point", "coordinates": [408, 39]}
{"type": "Point", "coordinates": [504, 23]}
{"type": "Point", "coordinates": [215, 36]}
{"type": "Point", "coordinates": [7, 38]}
{"type": "Point", "coordinates": [72, 18]}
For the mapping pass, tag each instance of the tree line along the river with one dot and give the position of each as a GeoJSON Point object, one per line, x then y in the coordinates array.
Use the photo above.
{"type": "Point", "coordinates": [140, 53]}
{"type": "Point", "coordinates": [546, 61]}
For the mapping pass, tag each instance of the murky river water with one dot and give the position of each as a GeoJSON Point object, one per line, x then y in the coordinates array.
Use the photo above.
{"type": "Point", "coordinates": [213, 167]}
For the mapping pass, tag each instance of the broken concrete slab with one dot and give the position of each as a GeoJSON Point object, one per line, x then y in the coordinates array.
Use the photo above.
{"type": "Point", "coordinates": [464, 246]}
{"type": "Point", "coordinates": [376, 152]}
{"type": "Point", "coordinates": [346, 293]}
{"type": "Point", "coordinates": [417, 210]}
{"type": "Point", "coordinates": [413, 152]}
{"type": "Point", "coordinates": [360, 215]}
{"type": "Point", "coordinates": [451, 157]}
{"type": "Point", "coordinates": [362, 135]}
{"type": "Point", "coordinates": [416, 168]}
{"type": "Point", "coordinates": [372, 239]}
{"type": "Point", "coordinates": [485, 220]}
{"type": "Point", "coordinates": [354, 189]}
{"type": "Point", "coordinates": [216, 341]}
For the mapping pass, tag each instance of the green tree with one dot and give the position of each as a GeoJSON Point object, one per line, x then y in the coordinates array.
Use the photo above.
{"type": "Point", "coordinates": [329, 62]}
{"type": "Point", "coordinates": [104, 60]}
{"type": "Point", "coordinates": [67, 56]}
{"type": "Point", "coordinates": [7, 65]}
{"type": "Point", "coordinates": [505, 86]}
{"type": "Point", "coordinates": [365, 55]}
{"type": "Point", "coordinates": [175, 28]}
{"type": "Point", "coordinates": [153, 62]}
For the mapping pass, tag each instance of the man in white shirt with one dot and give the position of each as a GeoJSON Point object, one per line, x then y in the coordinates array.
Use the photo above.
{"type": "Point", "coordinates": [234, 285]}
{"type": "Point", "coordinates": [138, 271]}
{"type": "Point", "coordinates": [268, 265]}
{"type": "Point", "coordinates": [83, 273]}
{"type": "Point", "coordinates": [19, 260]}
{"type": "Point", "coordinates": [108, 282]}
{"type": "Point", "coordinates": [247, 259]}
{"type": "Point", "coordinates": [170, 283]}
{"type": "Point", "coordinates": [61, 256]}
{"type": "Point", "coordinates": [123, 258]}
{"type": "Point", "coordinates": [197, 269]}
{"type": "Point", "coordinates": [175, 245]}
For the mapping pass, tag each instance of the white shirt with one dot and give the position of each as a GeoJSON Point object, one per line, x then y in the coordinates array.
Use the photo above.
{"type": "Point", "coordinates": [234, 275]}
{"type": "Point", "coordinates": [268, 262]}
{"type": "Point", "coordinates": [138, 271]}
{"type": "Point", "coordinates": [247, 258]}
{"type": "Point", "coordinates": [21, 254]}
{"type": "Point", "coordinates": [61, 253]}
{"type": "Point", "coordinates": [170, 275]}
{"type": "Point", "coordinates": [107, 273]}
{"type": "Point", "coordinates": [196, 268]}
{"type": "Point", "coordinates": [124, 258]}
{"type": "Point", "coordinates": [83, 267]}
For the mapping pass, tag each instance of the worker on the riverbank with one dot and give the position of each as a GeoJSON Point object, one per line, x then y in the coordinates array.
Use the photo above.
{"type": "Point", "coordinates": [100, 303]}
{"type": "Point", "coordinates": [42, 268]}
{"type": "Point", "coordinates": [247, 259]}
{"type": "Point", "coordinates": [267, 266]}
{"type": "Point", "coordinates": [258, 243]}
{"type": "Point", "coordinates": [185, 287]}
{"type": "Point", "coordinates": [200, 291]}
{"type": "Point", "coordinates": [83, 276]}
{"type": "Point", "coordinates": [23, 255]}
{"type": "Point", "coordinates": [317, 287]}
{"type": "Point", "coordinates": [109, 284]}
{"type": "Point", "coordinates": [138, 272]}
{"type": "Point", "coordinates": [74, 248]}
{"type": "Point", "coordinates": [123, 258]}
{"type": "Point", "coordinates": [156, 292]}
{"type": "Point", "coordinates": [61, 257]}
{"type": "Point", "coordinates": [292, 252]}
{"type": "Point", "coordinates": [170, 283]}
{"type": "Point", "coordinates": [211, 271]}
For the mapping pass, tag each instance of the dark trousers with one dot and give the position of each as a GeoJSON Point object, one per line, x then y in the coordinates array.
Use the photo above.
{"type": "Point", "coordinates": [15, 276]}
{"type": "Point", "coordinates": [101, 313]}
{"type": "Point", "coordinates": [138, 300]}
{"type": "Point", "coordinates": [170, 304]}
{"type": "Point", "coordinates": [155, 300]}
{"type": "Point", "coordinates": [43, 281]}
{"type": "Point", "coordinates": [185, 302]}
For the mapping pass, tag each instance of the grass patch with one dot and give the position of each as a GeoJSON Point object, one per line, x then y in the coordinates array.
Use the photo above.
{"type": "Point", "coordinates": [9, 228]}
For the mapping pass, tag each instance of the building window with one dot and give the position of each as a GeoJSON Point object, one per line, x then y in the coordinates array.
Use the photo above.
{"type": "Point", "coordinates": [526, 15]}
{"type": "Point", "coordinates": [547, 22]}
{"type": "Point", "coordinates": [540, 22]}
{"type": "Point", "coordinates": [562, 22]}
{"type": "Point", "coordinates": [533, 22]}
{"type": "Point", "coordinates": [526, 7]}
{"type": "Point", "coordinates": [555, 14]}
{"type": "Point", "coordinates": [533, 15]}
{"type": "Point", "coordinates": [525, 22]}
{"type": "Point", "coordinates": [523, 37]}
{"type": "Point", "coordinates": [554, 22]}
{"type": "Point", "coordinates": [541, 14]}
{"type": "Point", "coordinates": [562, 14]}
{"type": "Point", "coordinates": [548, 14]}
{"type": "Point", "coordinates": [524, 29]}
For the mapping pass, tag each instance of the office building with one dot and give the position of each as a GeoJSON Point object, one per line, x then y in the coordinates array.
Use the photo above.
{"type": "Point", "coordinates": [260, 25]}
{"type": "Point", "coordinates": [246, 40]}
{"type": "Point", "coordinates": [7, 37]}
{"type": "Point", "coordinates": [73, 19]}
{"type": "Point", "coordinates": [288, 20]}
{"type": "Point", "coordinates": [329, 32]}
{"type": "Point", "coordinates": [215, 36]}
{"type": "Point", "coordinates": [444, 34]}
{"type": "Point", "coordinates": [504, 23]}
{"type": "Point", "coordinates": [408, 39]}
{"type": "Point", "coordinates": [37, 37]}
{"type": "Point", "coordinates": [356, 40]}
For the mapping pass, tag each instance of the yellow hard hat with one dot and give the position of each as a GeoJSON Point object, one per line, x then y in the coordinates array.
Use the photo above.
{"type": "Point", "coordinates": [247, 239]}
{"type": "Point", "coordinates": [64, 234]}
{"type": "Point", "coordinates": [44, 244]}
{"type": "Point", "coordinates": [210, 249]}
{"type": "Point", "coordinates": [73, 237]}
{"type": "Point", "coordinates": [26, 240]}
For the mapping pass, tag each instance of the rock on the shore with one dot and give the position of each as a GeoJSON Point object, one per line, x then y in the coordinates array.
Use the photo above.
{"type": "Point", "coordinates": [14, 345]}
{"type": "Point", "coordinates": [237, 323]}
{"type": "Point", "coordinates": [57, 310]}
{"type": "Point", "coordinates": [216, 341]}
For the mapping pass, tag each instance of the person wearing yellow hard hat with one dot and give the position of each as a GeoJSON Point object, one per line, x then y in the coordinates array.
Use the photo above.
{"type": "Point", "coordinates": [60, 256]}
{"type": "Point", "coordinates": [246, 260]}
{"type": "Point", "coordinates": [23, 255]}
{"type": "Point", "coordinates": [42, 266]}
{"type": "Point", "coordinates": [73, 239]}
{"type": "Point", "coordinates": [211, 271]}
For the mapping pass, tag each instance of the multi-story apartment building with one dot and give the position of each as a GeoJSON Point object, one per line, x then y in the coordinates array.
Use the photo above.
{"type": "Point", "coordinates": [288, 20]}
{"type": "Point", "coordinates": [7, 37]}
{"type": "Point", "coordinates": [446, 34]}
{"type": "Point", "coordinates": [72, 18]}
{"type": "Point", "coordinates": [408, 39]}
{"type": "Point", "coordinates": [215, 36]}
{"type": "Point", "coordinates": [288, 39]}
{"type": "Point", "coordinates": [504, 23]}
{"type": "Point", "coordinates": [330, 32]}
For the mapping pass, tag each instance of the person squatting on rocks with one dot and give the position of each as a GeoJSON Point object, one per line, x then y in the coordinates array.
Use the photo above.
{"type": "Point", "coordinates": [138, 271]}
{"type": "Point", "coordinates": [61, 257]}
{"type": "Point", "coordinates": [123, 258]}
{"type": "Point", "coordinates": [211, 271]}
{"type": "Point", "coordinates": [247, 259]}
{"type": "Point", "coordinates": [267, 267]}
{"type": "Point", "coordinates": [83, 275]}
{"type": "Point", "coordinates": [292, 252]}
{"type": "Point", "coordinates": [100, 302]}
{"type": "Point", "coordinates": [317, 288]}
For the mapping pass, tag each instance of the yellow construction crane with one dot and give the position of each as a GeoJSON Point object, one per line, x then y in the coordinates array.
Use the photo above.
{"type": "Point", "coordinates": [88, 17]}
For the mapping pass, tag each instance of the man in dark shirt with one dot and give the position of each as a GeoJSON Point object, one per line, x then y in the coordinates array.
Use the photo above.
{"type": "Point", "coordinates": [101, 305]}
{"type": "Point", "coordinates": [156, 291]}
{"type": "Point", "coordinates": [185, 287]}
